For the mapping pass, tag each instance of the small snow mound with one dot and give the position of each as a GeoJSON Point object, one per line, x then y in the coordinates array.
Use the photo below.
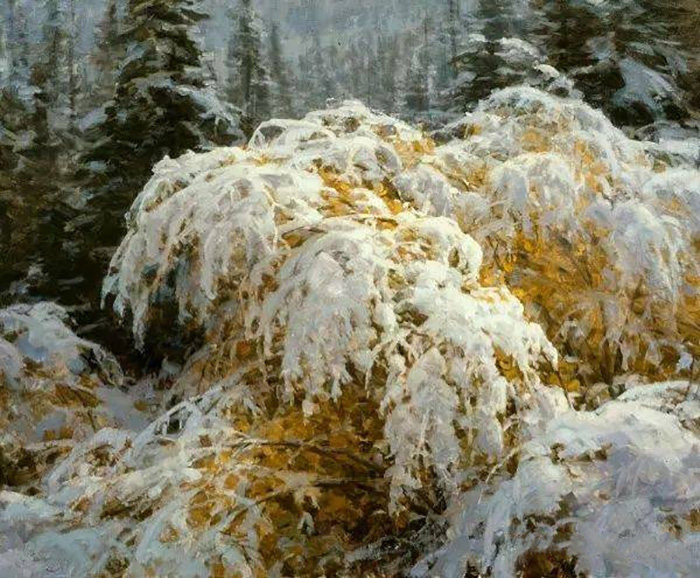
{"type": "Point", "coordinates": [39, 333]}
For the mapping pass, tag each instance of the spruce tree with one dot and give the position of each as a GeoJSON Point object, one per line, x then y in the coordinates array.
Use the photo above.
{"type": "Point", "coordinates": [106, 56]}
{"type": "Point", "coordinates": [326, 76]}
{"type": "Point", "coordinates": [486, 61]}
{"type": "Point", "coordinates": [248, 75]}
{"type": "Point", "coordinates": [19, 133]}
{"type": "Point", "coordinates": [318, 83]}
{"type": "Point", "coordinates": [686, 23]}
{"type": "Point", "coordinates": [372, 72]}
{"type": "Point", "coordinates": [48, 106]}
{"type": "Point", "coordinates": [634, 70]}
{"type": "Point", "coordinates": [280, 76]}
{"type": "Point", "coordinates": [417, 97]}
{"type": "Point", "coordinates": [478, 64]}
{"type": "Point", "coordinates": [4, 57]}
{"type": "Point", "coordinates": [419, 81]}
{"type": "Point", "coordinates": [164, 104]}
{"type": "Point", "coordinates": [388, 54]}
{"type": "Point", "coordinates": [622, 55]}
{"type": "Point", "coordinates": [454, 16]}
{"type": "Point", "coordinates": [48, 73]}
{"type": "Point", "coordinates": [72, 65]}
{"type": "Point", "coordinates": [17, 46]}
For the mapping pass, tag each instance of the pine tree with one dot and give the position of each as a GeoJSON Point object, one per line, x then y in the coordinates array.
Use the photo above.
{"type": "Point", "coordinates": [419, 81]}
{"type": "Point", "coordinates": [373, 66]}
{"type": "Point", "coordinates": [477, 64]}
{"type": "Point", "coordinates": [73, 80]}
{"type": "Point", "coordinates": [4, 57]}
{"type": "Point", "coordinates": [319, 82]}
{"type": "Point", "coordinates": [417, 97]}
{"type": "Point", "coordinates": [248, 75]}
{"type": "Point", "coordinates": [45, 93]}
{"type": "Point", "coordinates": [17, 46]}
{"type": "Point", "coordinates": [453, 15]}
{"type": "Point", "coordinates": [280, 76]}
{"type": "Point", "coordinates": [326, 76]}
{"type": "Point", "coordinates": [388, 55]}
{"type": "Point", "coordinates": [621, 55]}
{"type": "Point", "coordinates": [48, 73]}
{"type": "Point", "coordinates": [163, 104]}
{"type": "Point", "coordinates": [484, 61]}
{"type": "Point", "coordinates": [163, 100]}
{"type": "Point", "coordinates": [108, 52]}
{"type": "Point", "coordinates": [22, 174]}
{"type": "Point", "coordinates": [634, 71]}
{"type": "Point", "coordinates": [686, 23]}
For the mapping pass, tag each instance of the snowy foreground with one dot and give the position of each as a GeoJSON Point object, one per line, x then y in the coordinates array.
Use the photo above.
{"type": "Point", "coordinates": [399, 357]}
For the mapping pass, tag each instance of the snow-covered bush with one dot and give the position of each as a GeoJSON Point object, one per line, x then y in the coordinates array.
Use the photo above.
{"type": "Point", "coordinates": [331, 282]}
{"type": "Point", "coordinates": [613, 492]}
{"type": "Point", "coordinates": [55, 389]}
{"type": "Point", "coordinates": [596, 233]}
{"type": "Point", "coordinates": [204, 220]}
{"type": "Point", "coordinates": [353, 367]}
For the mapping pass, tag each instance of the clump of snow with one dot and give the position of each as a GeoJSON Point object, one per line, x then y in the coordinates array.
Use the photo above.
{"type": "Point", "coordinates": [39, 334]}
{"type": "Point", "coordinates": [644, 85]}
{"type": "Point", "coordinates": [354, 117]}
{"type": "Point", "coordinates": [517, 51]}
{"type": "Point", "coordinates": [350, 140]}
{"type": "Point", "coordinates": [140, 490]}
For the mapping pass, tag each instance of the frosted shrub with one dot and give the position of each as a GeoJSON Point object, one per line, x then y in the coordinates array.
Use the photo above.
{"type": "Point", "coordinates": [353, 363]}
{"type": "Point", "coordinates": [611, 492]}
{"type": "Point", "coordinates": [329, 282]}
{"type": "Point", "coordinates": [205, 218]}
{"type": "Point", "coordinates": [596, 233]}
{"type": "Point", "coordinates": [202, 217]}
